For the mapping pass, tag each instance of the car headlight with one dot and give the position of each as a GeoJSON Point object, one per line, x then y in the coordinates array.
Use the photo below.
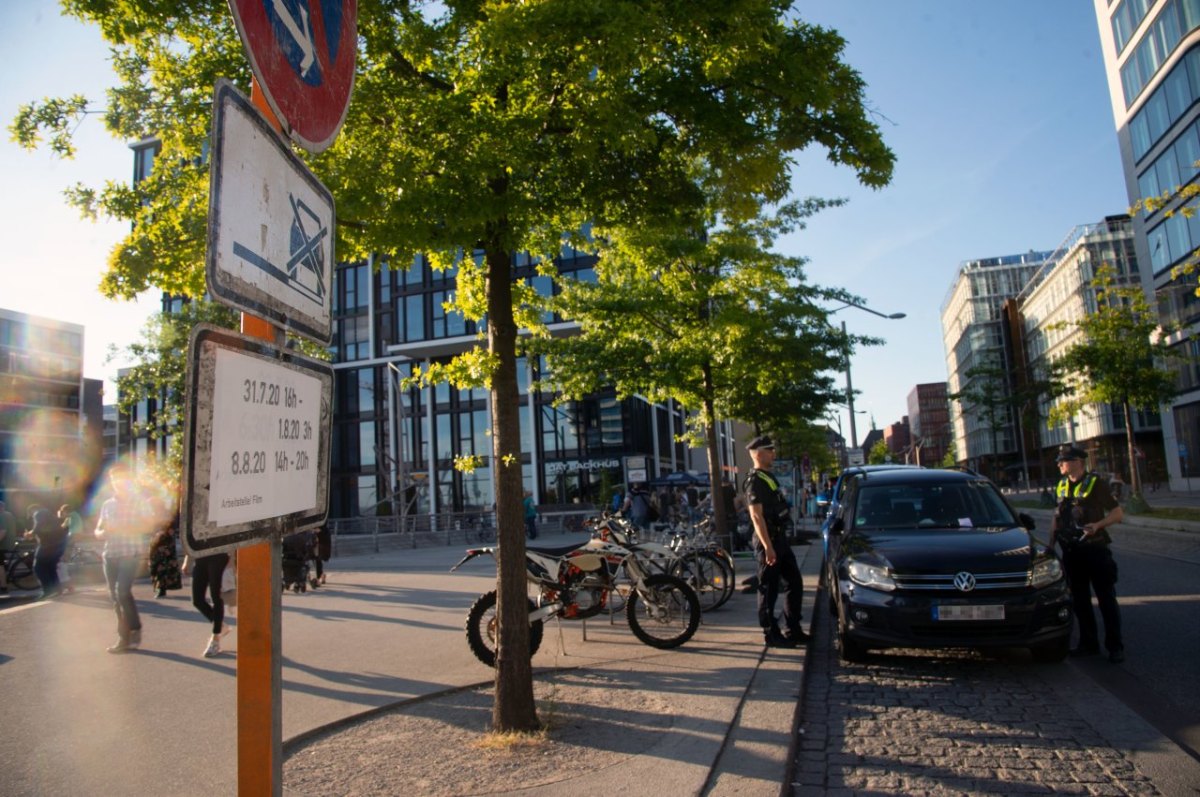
{"type": "Point", "coordinates": [871, 576]}
{"type": "Point", "coordinates": [1046, 572]}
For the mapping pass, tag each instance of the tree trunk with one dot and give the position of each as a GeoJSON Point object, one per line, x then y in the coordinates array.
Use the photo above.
{"type": "Point", "coordinates": [720, 511]}
{"type": "Point", "coordinates": [1135, 480]}
{"type": "Point", "coordinates": [514, 708]}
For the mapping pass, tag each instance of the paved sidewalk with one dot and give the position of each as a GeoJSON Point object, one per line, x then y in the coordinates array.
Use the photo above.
{"type": "Point", "coordinates": [384, 640]}
{"type": "Point", "coordinates": [713, 717]}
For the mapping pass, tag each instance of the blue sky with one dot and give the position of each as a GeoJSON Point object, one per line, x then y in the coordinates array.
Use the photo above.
{"type": "Point", "coordinates": [998, 114]}
{"type": "Point", "coordinates": [1000, 119]}
{"type": "Point", "coordinates": [52, 260]}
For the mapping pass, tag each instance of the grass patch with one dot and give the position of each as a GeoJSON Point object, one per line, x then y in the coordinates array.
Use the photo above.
{"type": "Point", "coordinates": [1185, 513]}
{"type": "Point", "coordinates": [513, 740]}
{"type": "Point", "coordinates": [1174, 513]}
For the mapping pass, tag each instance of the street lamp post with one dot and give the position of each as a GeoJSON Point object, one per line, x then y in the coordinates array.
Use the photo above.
{"type": "Point", "coordinates": [849, 382]}
{"type": "Point", "coordinates": [400, 511]}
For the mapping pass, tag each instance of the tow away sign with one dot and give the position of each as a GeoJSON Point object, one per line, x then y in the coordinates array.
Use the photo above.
{"type": "Point", "coordinates": [270, 223]}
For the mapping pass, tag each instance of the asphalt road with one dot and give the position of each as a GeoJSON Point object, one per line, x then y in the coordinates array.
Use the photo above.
{"type": "Point", "coordinates": [1159, 594]}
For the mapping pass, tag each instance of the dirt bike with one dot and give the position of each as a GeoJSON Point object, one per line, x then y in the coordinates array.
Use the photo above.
{"type": "Point", "coordinates": [577, 581]}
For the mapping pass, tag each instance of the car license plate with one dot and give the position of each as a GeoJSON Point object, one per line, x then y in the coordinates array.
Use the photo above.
{"type": "Point", "coordinates": [974, 612]}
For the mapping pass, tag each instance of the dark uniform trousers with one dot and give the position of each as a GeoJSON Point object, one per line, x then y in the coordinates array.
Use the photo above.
{"type": "Point", "coordinates": [784, 574]}
{"type": "Point", "coordinates": [1091, 568]}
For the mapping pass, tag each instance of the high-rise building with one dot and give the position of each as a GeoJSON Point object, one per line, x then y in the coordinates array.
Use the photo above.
{"type": "Point", "coordinates": [43, 456]}
{"type": "Point", "coordinates": [1043, 321]}
{"type": "Point", "coordinates": [1005, 322]}
{"type": "Point", "coordinates": [1151, 51]}
{"type": "Point", "coordinates": [978, 362]}
{"type": "Point", "coordinates": [929, 424]}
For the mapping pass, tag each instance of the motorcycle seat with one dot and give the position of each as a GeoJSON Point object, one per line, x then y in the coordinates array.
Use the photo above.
{"type": "Point", "coordinates": [555, 552]}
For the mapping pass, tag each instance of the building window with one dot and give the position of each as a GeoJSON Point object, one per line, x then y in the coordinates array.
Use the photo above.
{"type": "Point", "coordinates": [366, 391]}
{"type": "Point", "coordinates": [368, 495]}
{"type": "Point", "coordinates": [1176, 19]}
{"type": "Point", "coordinates": [366, 444]}
{"type": "Point", "coordinates": [414, 317]}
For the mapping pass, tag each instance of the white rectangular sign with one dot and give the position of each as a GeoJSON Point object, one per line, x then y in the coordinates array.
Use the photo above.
{"type": "Point", "coordinates": [258, 434]}
{"type": "Point", "coordinates": [270, 223]}
{"type": "Point", "coordinates": [264, 441]}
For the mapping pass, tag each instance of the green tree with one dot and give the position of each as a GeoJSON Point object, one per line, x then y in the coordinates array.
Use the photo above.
{"type": "Point", "coordinates": [987, 396]}
{"type": "Point", "coordinates": [879, 453]}
{"type": "Point", "coordinates": [716, 322]}
{"type": "Point", "coordinates": [1119, 361]}
{"type": "Point", "coordinates": [159, 372]}
{"type": "Point", "coordinates": [490, 127]}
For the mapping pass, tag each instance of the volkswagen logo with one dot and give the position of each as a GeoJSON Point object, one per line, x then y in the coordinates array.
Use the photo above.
{"type": "Point", "coordinates": [964, 581]}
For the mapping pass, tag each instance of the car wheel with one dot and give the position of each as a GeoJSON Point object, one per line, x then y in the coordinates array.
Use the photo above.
{"type": "Point", "coordinates": [1052, 652]}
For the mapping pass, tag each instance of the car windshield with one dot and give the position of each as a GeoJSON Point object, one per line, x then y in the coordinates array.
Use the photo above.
{"type": "Point", "coordinates": [946, 505]}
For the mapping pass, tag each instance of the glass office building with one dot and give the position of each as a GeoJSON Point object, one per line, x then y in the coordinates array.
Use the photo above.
{"type": "Point", "coordinates": [1151, 52]}
{"type": "Point", "coordinates": [393, 443]}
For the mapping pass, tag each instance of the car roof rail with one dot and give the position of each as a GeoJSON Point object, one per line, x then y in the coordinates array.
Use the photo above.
{"type": "Point", "coordinates": [963, 469]}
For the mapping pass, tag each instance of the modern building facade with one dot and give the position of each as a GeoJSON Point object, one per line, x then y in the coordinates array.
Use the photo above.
{"type": "Point", "coordinates": [974, 334]}
{"type": "Point", "coordinates": [1005, 322]}
{"type": "Point", "coordinates": [898, 437]}
{"type": "Point", "coordinates": [43, 453]}
{"type": "Point", "coordinates": [395, 446]}
{"type": "Point", "coordinates": [1046, 310]}
{"type": "Point", "coordinates": [929, 424]}
{"type": "Point", "coordinates": [1151, 51]}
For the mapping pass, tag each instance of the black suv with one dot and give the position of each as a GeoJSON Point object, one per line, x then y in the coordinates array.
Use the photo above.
{"type": "Point", "coordinates": [935, 559]}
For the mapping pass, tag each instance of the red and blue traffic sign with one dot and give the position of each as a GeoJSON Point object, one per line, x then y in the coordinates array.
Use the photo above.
{"type": "Point", "coordinates": [303, 54]}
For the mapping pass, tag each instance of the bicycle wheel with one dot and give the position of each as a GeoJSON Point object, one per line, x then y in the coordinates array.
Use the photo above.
{"type": "Point", "coordinates": [20, 573]}
{"type": "Point", "coordinates": [708, 575]}
{"type": "Point", "coordinates": [663, 612]}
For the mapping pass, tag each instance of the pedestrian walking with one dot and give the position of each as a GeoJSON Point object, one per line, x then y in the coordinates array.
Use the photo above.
{"type": "Point", "coordinates": [51, 538]}
{"type": "Point", "coordinates": [72, 525]}
{"type": "Point", "coordinates": [123, 527]}
{"type": "Point", "coordinates": [778, 570]}
{"type": "Point", "coordinates": [165, 573]}
{"type": "Point", "coordinates": [8, 544]}
{"type": "Point", "coordinates": [637, 506]}
{"type": "Point", "coordinates": [324, 552]}
{"type": "Point", "coordinates": [530, 515]}
{"type": "Point", "coordinates": [207, 572]}
{"type": "Point", "coordinates": [1086, 509]}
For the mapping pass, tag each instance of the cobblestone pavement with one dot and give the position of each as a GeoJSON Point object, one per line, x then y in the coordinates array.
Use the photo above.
{"type": "Point", "coordinates": [914, 722]}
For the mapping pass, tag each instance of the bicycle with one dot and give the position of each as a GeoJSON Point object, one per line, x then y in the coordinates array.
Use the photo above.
{"type": "Point", "coordinates": [481, 529]}
{"type": "Point", "coordinates": [18, 566]}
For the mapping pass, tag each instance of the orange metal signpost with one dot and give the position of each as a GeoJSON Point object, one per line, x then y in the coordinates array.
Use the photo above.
{"type": "Point", "coordinates": [259, 666]}
{"type": "Point", "coordinates": [306, 75]}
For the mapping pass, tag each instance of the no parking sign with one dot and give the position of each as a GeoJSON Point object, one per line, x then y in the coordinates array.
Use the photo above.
{"type": "Point", "coordinates": [303, 53]}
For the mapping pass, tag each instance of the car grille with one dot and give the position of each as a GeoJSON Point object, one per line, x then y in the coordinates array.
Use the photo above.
{"type": "Point", "coordinates": [945, 581]}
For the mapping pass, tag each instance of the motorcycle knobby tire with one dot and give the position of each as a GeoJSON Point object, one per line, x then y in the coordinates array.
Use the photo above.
{"type": "Point", "coordinates": [481, 629]}
{"type": "Point", "coordinates": [678, 591]}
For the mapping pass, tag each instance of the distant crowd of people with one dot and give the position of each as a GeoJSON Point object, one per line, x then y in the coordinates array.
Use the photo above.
{"type": "Point", "coordinates": [139, 534]}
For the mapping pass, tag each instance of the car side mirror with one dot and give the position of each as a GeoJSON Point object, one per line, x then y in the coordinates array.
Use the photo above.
{"type": "Point", "coordinates": [1026, 521]}
{"type": "Point", "coordinates": [838, 526]}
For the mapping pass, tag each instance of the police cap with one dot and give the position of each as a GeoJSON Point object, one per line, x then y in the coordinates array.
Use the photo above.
{"type": "Point", "coordinates": [762, 441]}
{"type": "Point", "coordinates": [1067, 453]}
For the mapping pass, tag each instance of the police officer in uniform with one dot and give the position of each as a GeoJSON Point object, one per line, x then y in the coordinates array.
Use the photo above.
{"type": "Point", "coordinates": [777, 568]}
{"type": "Point", "coordinates": [1086, 508]}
